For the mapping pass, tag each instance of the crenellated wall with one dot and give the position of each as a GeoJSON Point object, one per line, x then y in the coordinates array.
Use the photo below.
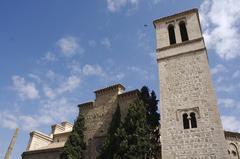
{"type": "Point", "coordinates": [98, 114]}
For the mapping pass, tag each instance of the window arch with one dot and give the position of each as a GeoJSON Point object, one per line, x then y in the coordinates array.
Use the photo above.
{"type": "Point", "coordinates": [171, 33]}
{"type": "Point", "coordinates": [233, 151]}
{"type": "Point", "coordinates": [185, 121]}
{"type": "Point", "coordinates": [183, 31]}
{"type": "Point", "coordinates": [193, 120]}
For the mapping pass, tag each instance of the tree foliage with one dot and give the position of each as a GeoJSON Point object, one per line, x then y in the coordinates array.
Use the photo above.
{"type": "Point", "coordinates": [137, 136]}
{"type": "Point", "coordinates": [153, 119]}
{"type": "Point", "coordinates": [111, 144]}
{"type": "Point", "coordinates": [75, 145]}
{"type": "Point", "coordinates": [133, 133]}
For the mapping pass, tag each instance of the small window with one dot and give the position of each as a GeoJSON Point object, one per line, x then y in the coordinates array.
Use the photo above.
{"type": "Point", "coordinates": [183, 31]}
{"type": "Point", "coordinates": [185, 121]}
{"type": "Point", "coordinates": [234, 153]}
{"type": "Point", "coordinates": [193, 120]}
{"type": "Point", "coordinates": [171, 33]}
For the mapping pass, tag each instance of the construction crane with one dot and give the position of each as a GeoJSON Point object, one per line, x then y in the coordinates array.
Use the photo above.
{"type": "Point", "coordinates": [11, 145]}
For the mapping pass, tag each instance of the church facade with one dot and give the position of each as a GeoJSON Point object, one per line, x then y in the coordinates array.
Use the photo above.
{"type": "Point", "coordinates": [191, 127]}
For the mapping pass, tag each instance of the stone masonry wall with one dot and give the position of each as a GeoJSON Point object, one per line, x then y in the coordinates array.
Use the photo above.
{"type": "Point", "coordinates": [98, 115]}
{"type": "Point", "coordinates": [185, 85]}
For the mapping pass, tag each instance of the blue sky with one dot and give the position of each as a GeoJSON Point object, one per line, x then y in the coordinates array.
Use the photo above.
{"type": "Point", "coordinates": [54, 54]}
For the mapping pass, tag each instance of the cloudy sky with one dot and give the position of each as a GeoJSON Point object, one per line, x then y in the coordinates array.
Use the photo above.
{"type": "Point", "coordinates": [54, 54]}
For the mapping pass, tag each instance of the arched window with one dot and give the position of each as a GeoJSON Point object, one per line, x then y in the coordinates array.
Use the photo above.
{"type": "Point", "coordinates": [233, 151]}
{"type": "Point", "coordinates": [185, 121]}
{"type": "Point", "coordinates": [183, 31]}
{"type": "Point", "coordinates": [193, 120]}
{"type": "Point", "coordinates": [171, 33]}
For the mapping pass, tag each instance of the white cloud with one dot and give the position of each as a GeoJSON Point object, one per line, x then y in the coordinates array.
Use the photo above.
{"type": "Point", "coordinates": [69, 85]}
{"type": "Point", "coordinates": [49, 92]}
{"type": "Point", "coordinates": [69, 46]}
{"type": "Point", "coordinates": [220, 79]}
{"type": "Point", "coordinates": [119, 76]}
{"type": "Point", "coordinates": [49, 56]}
{"type": "Point", "coordinates": [8, 120]}
{"type": "Point", "coordinates": [89, 70]}
{"type": "Point", "coordinates": [106, 42]}
{"type": "Point", "coordinates": [156, 1]}
{"type": "Point", "coordinates": [226, 88]}
{"type": "Point", "coordinates": [35, 77]}
{"type": "Point", "coordinates": [231, 123]}
{"type": "Point", "coordinates": [50, 75]}
{"type": "Point", "coordinates": [57, 110]}
{"type": "Point", "coordinates": [28, 123]}
{"type": "Point", "coordinates": [50, 112]}
{"type": "Point", "coordinates": [92, 43]}
{"type": "Point", "coordinates": [143, 41]}
{"type": "Point", "coordinates": [75, 67]}
{"type": "Point", "coordinates": [26, 90]}
{"type": "Point", "coordinates": [219, 68]}
{"type": "Point", "coordinates": [141, 72]}
{"type": "Point", "coordinates": [116, 5]}
{"type": "Point", "coordinates": [236, 74]}
{"type": "Point", "coordinates": [228, 102]}
{"type": "Point", "coordinates": [220, 19]}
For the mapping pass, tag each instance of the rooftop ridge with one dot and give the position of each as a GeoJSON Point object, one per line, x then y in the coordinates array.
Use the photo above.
{"type": "Point", "coordinates": [194, 10]}
{"type": "Point", "coordinates": [129, 93]}
{"type": "Point", "coordinates": [85, 105]}
{"type": "Point", "coordinates": [59, 125]}
{"type": "Point", "coordinates": [66, 122]}
{"type": "Point", "coordinates": [113, 87]}
{"type": "Point", "coordinates": [43, 135]}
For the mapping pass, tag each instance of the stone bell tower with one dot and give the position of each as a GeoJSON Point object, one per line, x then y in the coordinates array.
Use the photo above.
{"type": "Point", "coordinates": [191, 127]}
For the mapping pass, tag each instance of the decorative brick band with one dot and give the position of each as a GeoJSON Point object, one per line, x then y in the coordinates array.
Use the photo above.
{"type": "Point", "coordinates": [178, 44]}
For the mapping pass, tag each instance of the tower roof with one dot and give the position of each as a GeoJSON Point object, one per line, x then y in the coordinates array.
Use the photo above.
{"type": "Point", "coordinates": [194, 10]}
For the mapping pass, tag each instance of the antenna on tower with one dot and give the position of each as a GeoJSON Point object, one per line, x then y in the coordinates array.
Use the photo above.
{"type": "Point", "coordinates": [11, 145]}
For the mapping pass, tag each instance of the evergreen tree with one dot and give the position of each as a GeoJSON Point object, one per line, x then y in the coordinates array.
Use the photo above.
{"type": "Point", "coordinates": [75, 144]}
{"type": "Point", "coordinates": [111, 144]}
{"type": "Point", "coordinates": [153, 119]}
{"type": "Point", "coordinates": [133, 134]}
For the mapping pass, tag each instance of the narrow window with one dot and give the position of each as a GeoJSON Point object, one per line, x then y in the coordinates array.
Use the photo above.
{"type": "Point", "coordinates": [234, 153]}
{"type": "Point", "coordinates": [185, 121]}
{"type": "Point", "coordinates": [193, 120]}
{"type": "Point", "coordinates": [171, 33]}
{"type": "Point", "coordinates": [183, 31]}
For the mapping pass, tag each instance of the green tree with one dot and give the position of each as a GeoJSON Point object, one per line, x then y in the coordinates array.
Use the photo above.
{"type": "Point", "coordinates": [133, 134]}
{"type": "Point", "coordinates": [111, 143]}
{"type": "Point", "coordinates": [75, 144]}
{"type": "Point", "coordinates": [153, 119]}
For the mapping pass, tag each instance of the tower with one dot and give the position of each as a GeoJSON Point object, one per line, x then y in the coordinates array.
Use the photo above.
{"type": "Point", "coordinates": [190, 122]}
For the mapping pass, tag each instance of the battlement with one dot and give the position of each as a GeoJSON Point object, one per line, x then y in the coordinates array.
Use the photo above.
{"type": "Point", "coordinates": [114, 88]}
{"type": "Point", "coordinates": [86, 105]}
{"type": "Point", "coordinates": [128, 94]}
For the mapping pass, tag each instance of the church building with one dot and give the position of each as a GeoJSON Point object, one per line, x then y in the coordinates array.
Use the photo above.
{"type": "Point", "coordinates": [191, 127]}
